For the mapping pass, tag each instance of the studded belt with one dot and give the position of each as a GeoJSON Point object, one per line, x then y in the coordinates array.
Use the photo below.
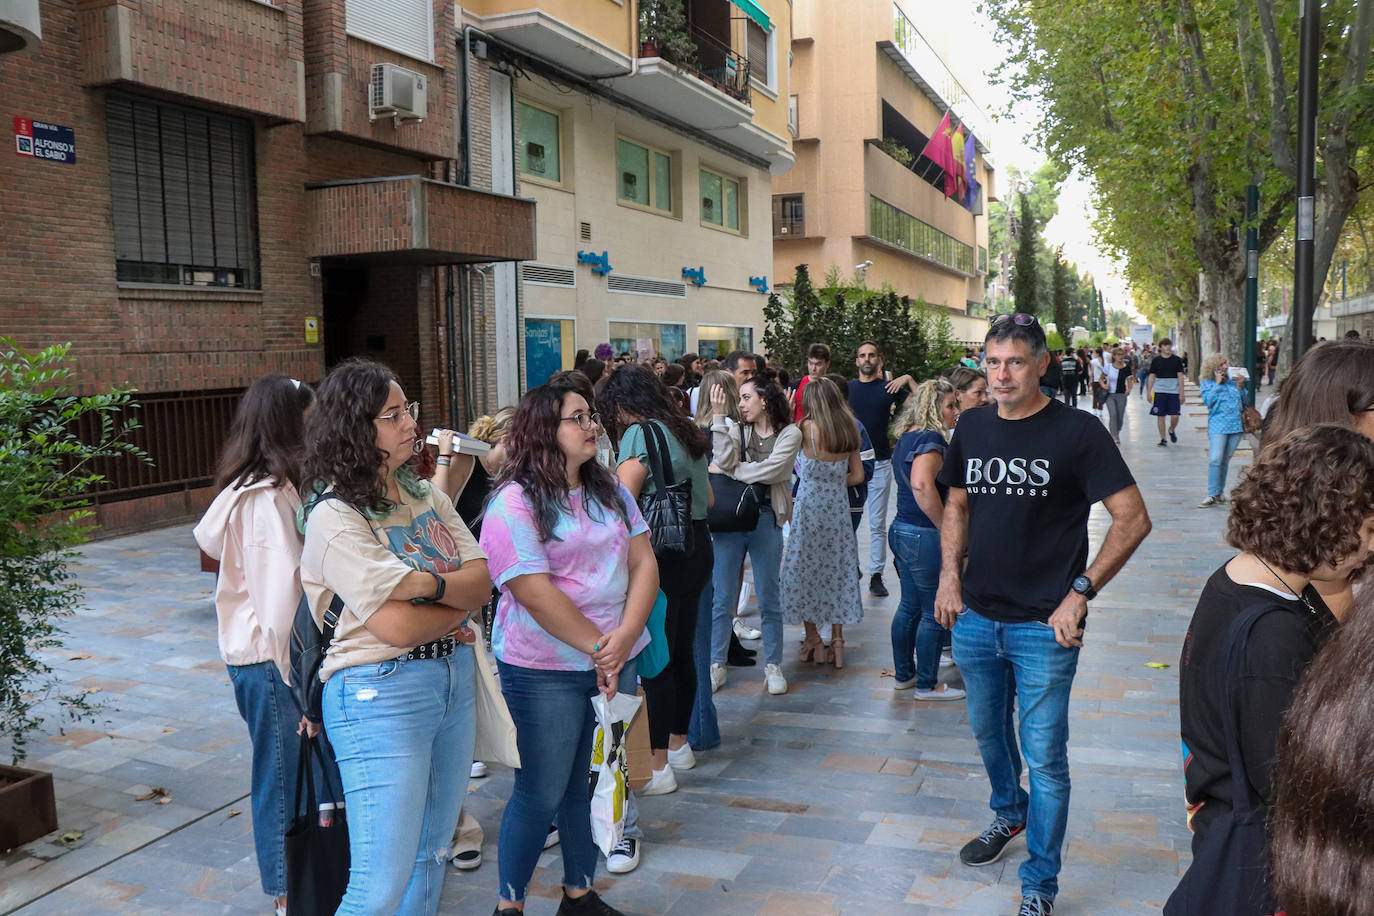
{"type": "Point", "coordinates": [440, 648]}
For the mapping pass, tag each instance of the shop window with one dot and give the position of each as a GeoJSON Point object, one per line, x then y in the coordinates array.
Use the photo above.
{"type": "Point", "coordinates": [716, 341]}
{"type": "Point", "coordinates": [643, 339]}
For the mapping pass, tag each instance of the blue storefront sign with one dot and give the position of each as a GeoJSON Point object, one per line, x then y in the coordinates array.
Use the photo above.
{"type": "Point", "coordinates": [42, 140]}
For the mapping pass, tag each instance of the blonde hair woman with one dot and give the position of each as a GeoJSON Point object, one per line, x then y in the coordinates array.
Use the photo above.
{"type": "Point", "coordinates": [922, 431]}
{"type": "Point", "coordinates": [818, 581]}
{"type": "Point", "coordinates": [1225, 401]}
{"type": "Point", "coordinates": [716, 378]}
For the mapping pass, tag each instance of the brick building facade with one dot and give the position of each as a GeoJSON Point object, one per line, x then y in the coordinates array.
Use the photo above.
{"type": "Point", "coordinates": [228, 192]}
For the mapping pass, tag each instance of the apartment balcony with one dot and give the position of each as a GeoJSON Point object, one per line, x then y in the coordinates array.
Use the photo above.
{"type": "Point", "coordinates": [564, 32]}
{"type": "Point", "coordinates": [708, 90]}
{"type": "Point", "coordinates": [413, 220]}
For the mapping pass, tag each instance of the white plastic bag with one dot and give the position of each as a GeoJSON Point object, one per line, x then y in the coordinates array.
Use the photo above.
{"type": "Point", "coordinates": [610, 768]}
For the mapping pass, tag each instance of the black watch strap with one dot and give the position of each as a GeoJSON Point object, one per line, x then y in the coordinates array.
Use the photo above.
{"type": "Point", "coordinates": [439, 587]}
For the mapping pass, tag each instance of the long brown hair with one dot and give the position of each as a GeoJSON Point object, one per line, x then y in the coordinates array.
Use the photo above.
{"type": "Point", "coordinates": [1329, 384]}
{"type": "Point", "coordinates": [267, 434]}
{"type": "Point", "coordinates": [830, 417]}
{"type": "Point", "coordinates": [709, 381]}
{"type": "Point", "coordinates": [639, 393]}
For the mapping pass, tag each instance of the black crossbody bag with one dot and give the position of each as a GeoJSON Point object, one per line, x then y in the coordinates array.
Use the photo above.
{"type": "Point", "coordinates": [736, 505]}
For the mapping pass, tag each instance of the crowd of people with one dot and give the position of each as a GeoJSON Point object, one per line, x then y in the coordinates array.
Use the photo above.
{"type": "Point", "coordinates": [622, 489]}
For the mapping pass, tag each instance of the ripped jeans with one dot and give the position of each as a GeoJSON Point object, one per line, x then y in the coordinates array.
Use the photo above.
{"type": "Point", "coordinates": [402, 733]}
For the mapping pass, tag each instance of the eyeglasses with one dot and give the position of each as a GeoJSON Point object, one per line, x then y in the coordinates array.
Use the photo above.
{"type": "Point", "coordinates": [587, 421]}
{"type": "Point", "coordinates": [1020, 318]}
{"type": "Point", "coordinates": [413, 408]}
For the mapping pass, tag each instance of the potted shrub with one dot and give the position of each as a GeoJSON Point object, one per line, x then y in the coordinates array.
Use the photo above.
{"type": "Point", "coordinates": [663, 28]}
{"type": "Point", "coordinates": [49, 441]}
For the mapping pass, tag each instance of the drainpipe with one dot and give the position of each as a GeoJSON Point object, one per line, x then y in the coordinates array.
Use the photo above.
{"type": "Point", "coordinates": [464, 117]}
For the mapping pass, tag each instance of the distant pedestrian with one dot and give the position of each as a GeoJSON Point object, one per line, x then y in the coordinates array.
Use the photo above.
{"type": "Point", "coordinates": [1117, 382]}
{"type": "Point", "coordinates": [970, 387]}
{"type": "Point", "coordinates": [1271, 361]}
{"type": "Point", "coordinates": [1068, 377]}
{"type": "Point", "coordinates": [1164, 387]}
{"type": "Point", "coordinates": [1023, 476]}
{"type": "Point", "coordinates": [1225, 399]}
{"type": "Point", "coordinates": [817, 365]}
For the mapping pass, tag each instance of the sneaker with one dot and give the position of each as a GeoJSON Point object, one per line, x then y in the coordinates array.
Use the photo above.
{"type": "Point", "coordinates": [717, 677]}
{"type": "Point", "coordinates": [946, 659]}
{"type": "Point", "coordinates": [1209, 502]}
{"type": "Point", "coordinates": [479, 769]}
{"type": "Point", "coordinates": [624, 858]}
{"type": "Point", "coordinates": [904, 685]}
{"type": "Point", "coordinates": [1173, 437]}
{"type": "Point", "coordinates": [552, 838]}
{"type": "Point", "coordinates": [682, 758]}
{"type": "Point", "coordinates": [1163, 444]}
{"type": "Point", "coordinates": [1035, 905]}
{"type": "Point", "coordinates": [988, 846]}
{"type": "Point", "coordinates": [876, 586]}
{"type": "Point", "coordinates": [772, 676]}
{"type": "Point", "coordinates": [745, 631]}
{"type": "Point", "coordinates": [508, 911]}
{"type": "Point", "coordinates": [467, 860]}
{"type": "Point", "coordinates": [944, 692]}
{"type": "Point", "coordinates": [589, 904]}
{"type": "Point", "coordinates": [663, 782]}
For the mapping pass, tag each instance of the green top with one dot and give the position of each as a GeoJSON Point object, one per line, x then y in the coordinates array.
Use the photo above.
{"type": "Point", "coordinates": [684, 466]}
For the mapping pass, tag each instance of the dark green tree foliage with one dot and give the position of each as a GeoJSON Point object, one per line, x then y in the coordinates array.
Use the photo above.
{"type": "Point", "coordinates": [1023, 283]}
{"type": "Point", "coordinates": [913, 336]}
{"type": "Point", "coordinates": [46, 468]}
{"type": "Point", "coordinates": [1059, 294]}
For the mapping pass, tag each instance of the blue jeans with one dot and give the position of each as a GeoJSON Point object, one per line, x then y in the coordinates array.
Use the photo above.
{"type": "Point", "coordinates": [554, 725]}
{"type": "Point", "coordinates": [1021, 665]}
{"type": "Point", "coordinates": [704, 731]}
{"type": "Point", "coordinates": [1220, 448]}
{"type": "Point", "coordinates": [878, 489]}
{"type": "Point", "coordinates": [916, 551]}
{"type": "Point", "coordinates": [403, 733]}
{"type": "Point", "coordinates": [266, 705]}
{"type": "Point", "coordinates": [764, 547]}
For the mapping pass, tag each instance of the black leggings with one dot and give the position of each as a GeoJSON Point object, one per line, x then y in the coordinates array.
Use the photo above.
{"type": "Point", "coordinates": [669, 695]}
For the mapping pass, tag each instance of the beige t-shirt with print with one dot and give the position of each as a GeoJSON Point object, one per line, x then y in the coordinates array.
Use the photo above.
{"type": "Point", "coordinates": [344, 556]}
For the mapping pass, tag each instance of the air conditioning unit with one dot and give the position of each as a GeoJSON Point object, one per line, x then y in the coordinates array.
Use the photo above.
{"type": "Point", "coordinates": [397, 92]}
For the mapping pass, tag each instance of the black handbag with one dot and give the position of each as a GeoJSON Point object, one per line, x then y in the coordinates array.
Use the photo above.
{"type": "Point", "coordinates": [317, 856]}
{"type": "Point", "coordinates": [668, 510]}
{"type": "Point", "coordinates": [1229, 875]}
{"type": "Point", "coordinates": [736, 506]}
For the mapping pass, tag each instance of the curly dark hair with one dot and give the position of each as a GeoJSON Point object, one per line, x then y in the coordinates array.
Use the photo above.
{"type": "Point", "coordinates": [1323, 864]}
{"type": "Point", "coordinates": [265, 439]}
{"type": "Point", "coordinates": [537, 464]}
{"type": "Point", "coordinates": [1301, 506]}
{"type": "Point", "coordinates": [774, 401]}
{"type": "Point", "coordinates": [341, 452]}
{"type": "Point", "coordinates": [1332, 382]}
{"type": "Point", "coordinates": [639, 393]}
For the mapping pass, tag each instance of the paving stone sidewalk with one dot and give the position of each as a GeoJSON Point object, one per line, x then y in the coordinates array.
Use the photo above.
{"type": "Point", "coordinates": [840, 797]}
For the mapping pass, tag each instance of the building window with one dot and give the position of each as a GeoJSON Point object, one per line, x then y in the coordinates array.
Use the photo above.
{"type": "Point", "coordinates": [716, 341]}
{"type": "Point", "coordinates": [539, 143]}
{"type": "Point", "coordinates": [644, 176]}
{"type": "Point", "coordinates": [789, 216]}
{"type": "Point", "coordinates": [905, 231]}
{"type": "Point", "coordinates": [643, 339]}
{"type": "Point", "coordinates": [720, 200]}
{"type": "Point", "coordinates": [793, 117]}
{"type": "Point", "coordinates": [757, 42]}
{"type": "Point", "coordinates": [406, 26]}
{"type": "Point", "coordinates": [182, 191]}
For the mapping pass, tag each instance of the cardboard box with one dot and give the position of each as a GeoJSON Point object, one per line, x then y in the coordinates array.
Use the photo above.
{"type": "Point", "coordinates": [638, 755]}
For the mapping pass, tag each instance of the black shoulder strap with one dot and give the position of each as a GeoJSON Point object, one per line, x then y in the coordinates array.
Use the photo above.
{"type": "Point", "coordinates": [1237, 641]}
{"type": "Point", "coordinates": [657, 445]}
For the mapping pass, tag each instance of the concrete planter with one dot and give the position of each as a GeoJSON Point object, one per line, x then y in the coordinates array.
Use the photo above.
{"type": "Point", "coordinates": [28, 808]}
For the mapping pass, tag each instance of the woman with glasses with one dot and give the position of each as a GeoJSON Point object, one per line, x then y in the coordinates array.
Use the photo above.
{"type": "Point", "coordinates": [570, 553]}
{"type": "Point", "coordinates": [399, 674]}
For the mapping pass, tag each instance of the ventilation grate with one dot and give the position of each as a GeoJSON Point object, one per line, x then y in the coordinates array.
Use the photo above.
{"type": "Point", "coordinates": [548, 275]}
{"type": "Point", "coordinates": [585, 231]}
{"type": "Point", "coordinates": [646, 286]}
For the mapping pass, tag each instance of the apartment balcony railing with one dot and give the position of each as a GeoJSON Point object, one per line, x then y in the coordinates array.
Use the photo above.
{"type": "Point", "coordinates": [715, 62]}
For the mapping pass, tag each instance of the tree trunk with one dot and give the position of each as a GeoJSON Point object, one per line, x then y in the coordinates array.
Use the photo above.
{"type": "Point", "coordinates": [1222, 293]}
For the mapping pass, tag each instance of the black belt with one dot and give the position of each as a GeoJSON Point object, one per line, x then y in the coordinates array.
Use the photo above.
{"type": "Point", "coordinates": [440, 648]}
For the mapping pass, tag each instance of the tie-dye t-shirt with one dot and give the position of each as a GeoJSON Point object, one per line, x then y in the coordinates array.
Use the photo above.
{"type": "Point", "coordinates": [587, 559]}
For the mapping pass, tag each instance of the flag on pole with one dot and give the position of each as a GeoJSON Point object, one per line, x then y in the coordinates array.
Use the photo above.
{"type": "Point", "coordinates": [956, 142]}
{"type": "Point", "coordinates": [940, 150]}
{"type": "Point", "coordinates": [971, 174]}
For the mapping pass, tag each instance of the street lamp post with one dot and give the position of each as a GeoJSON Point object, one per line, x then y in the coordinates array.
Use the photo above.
{"type": "Point", "coordinates": [1304, 283]}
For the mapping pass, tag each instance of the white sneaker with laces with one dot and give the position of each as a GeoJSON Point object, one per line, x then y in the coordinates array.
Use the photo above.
{"type": "Point", "coordinates": [682, 758]}
{"type": "Point", "coordinates": [624, 857]}
{"type": "Point", "coordinates": [744, 631]}
{"type": "Point", "coordinates": [772, 677]}
{"type": "Point", "coordinates": [479, 769]}
{"type": "Point", "coordinates": [717, 677]}
{"type": "Point", "coordinates": [661, 783]}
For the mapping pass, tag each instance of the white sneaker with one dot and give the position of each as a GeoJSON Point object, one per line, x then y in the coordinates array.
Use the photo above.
{"type": "Point", "coordinates": [943, 692]}
{"type": "Point", "coordinates": [624, 857]}
{"type": "Point", "coordinates": [904, 685]}
{"type": "Point", "coordinates": [717, 677]}
{"type": "Point", "coordinates": [662, 783]}
{"type": "Point", "coordinates": [946, 659]}
{"type": "Point", "coordinates": [682, 758]}
{"type": "Point", "coordinates": [479, 769]}
{"type": "Point", "coordinates": [772, 676]}
{"type": "Point", "coordinates": [744, 630]}
{"type": "Point", "coordinates": [467, 860]}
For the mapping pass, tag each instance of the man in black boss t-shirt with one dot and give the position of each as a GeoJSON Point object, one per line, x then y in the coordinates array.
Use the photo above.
{"type": "Point", "coordinates": [1023, 474]}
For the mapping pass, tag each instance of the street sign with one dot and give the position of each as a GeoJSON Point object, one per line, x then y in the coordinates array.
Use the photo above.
{"type": "Point", "coordinates": [41, 140]}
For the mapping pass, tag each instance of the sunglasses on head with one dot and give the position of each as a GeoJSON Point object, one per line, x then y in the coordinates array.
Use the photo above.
{"type": "Point", "coordinates": [1020, 318]}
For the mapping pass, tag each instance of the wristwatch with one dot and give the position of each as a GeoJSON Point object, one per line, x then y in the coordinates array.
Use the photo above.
{"type": "Point", "coordinates": [439, 586]}
{"type": "Point", "coordinates": [1084, 586]}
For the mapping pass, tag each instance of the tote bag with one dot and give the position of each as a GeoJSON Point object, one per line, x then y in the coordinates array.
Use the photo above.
{"type": "Point", "coordinates": [496, 736]}
{"type": "Point", "coordinates": [1229, 875]}
{"type": "Point", "coordinates": [654, 657]}
{"type": "Point", "coordinates": [317, 856]}
{"type": "Point", "coordinates": [668, 510]}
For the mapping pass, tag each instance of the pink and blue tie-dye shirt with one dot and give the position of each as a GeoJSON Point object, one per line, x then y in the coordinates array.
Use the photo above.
{"type": "Point", "coordinates": [587, 559]}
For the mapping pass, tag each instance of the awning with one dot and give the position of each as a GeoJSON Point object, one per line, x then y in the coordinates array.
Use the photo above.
{"type": "Point", "coordinates": [754, 12]}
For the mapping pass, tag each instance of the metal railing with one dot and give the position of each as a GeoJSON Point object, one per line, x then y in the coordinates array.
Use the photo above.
{"type": "Point", "coordinates": [716, 63]}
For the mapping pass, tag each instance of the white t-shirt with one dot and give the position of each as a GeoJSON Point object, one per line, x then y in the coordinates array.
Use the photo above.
{"type": "Point", "coordinates": [344, 556]}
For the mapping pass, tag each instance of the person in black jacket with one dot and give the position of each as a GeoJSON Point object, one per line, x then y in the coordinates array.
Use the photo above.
{"type": "Point", "coordinates": [1068, 377]}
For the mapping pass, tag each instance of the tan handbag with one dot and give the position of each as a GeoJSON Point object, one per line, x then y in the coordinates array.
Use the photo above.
{"type": "Point", "coordinates": [495, 728]}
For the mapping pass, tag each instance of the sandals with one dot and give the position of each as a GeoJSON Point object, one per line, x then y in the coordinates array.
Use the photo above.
{"type": "Point", "coordinates": [837, 651]}
{"type": "Point", "coordinates": [813, 651]}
